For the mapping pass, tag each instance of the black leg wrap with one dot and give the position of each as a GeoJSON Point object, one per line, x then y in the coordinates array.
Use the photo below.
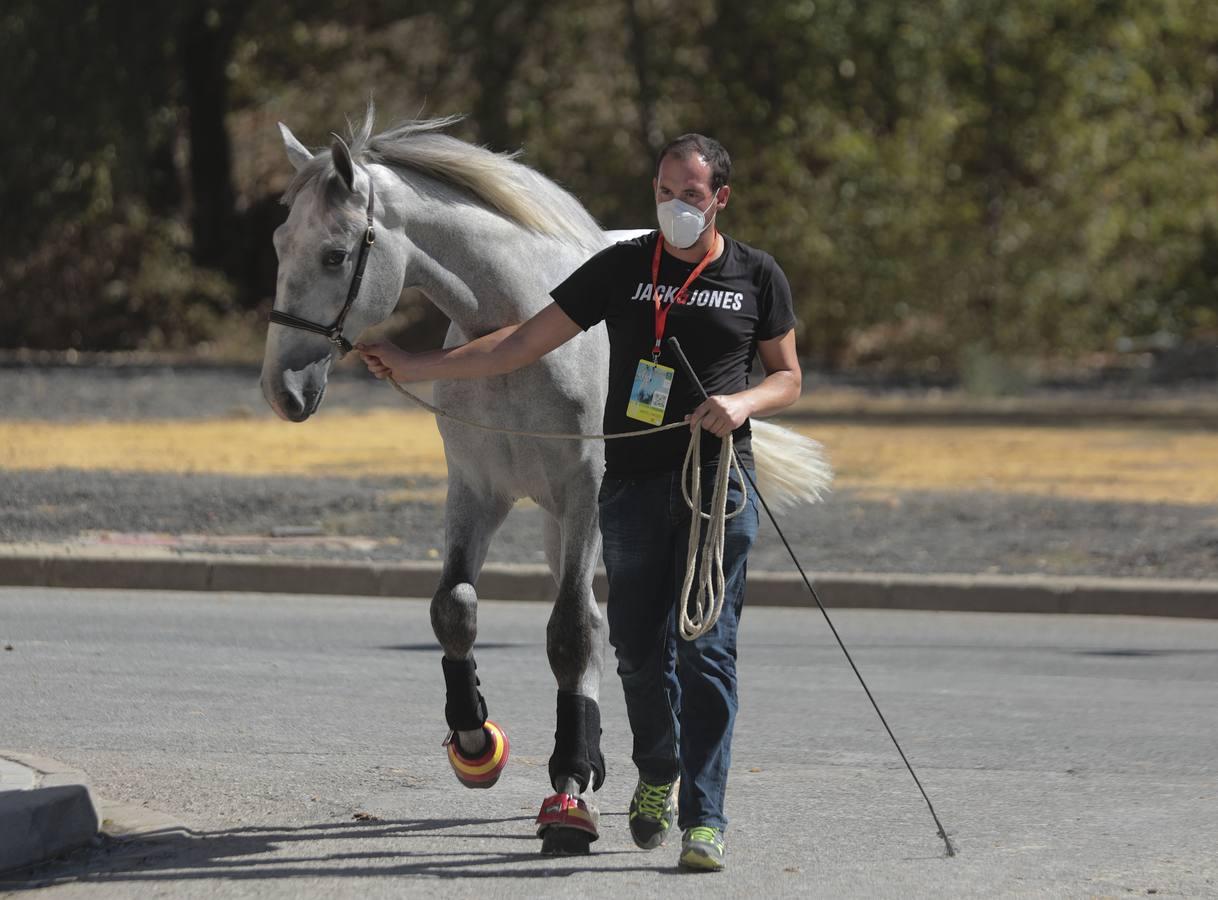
{"type": "Point", "coordinates": [465, 710]}
{"type": "Point", "coordinates": [577, 742]}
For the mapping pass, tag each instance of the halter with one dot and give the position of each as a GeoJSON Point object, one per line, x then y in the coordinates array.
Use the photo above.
{"type": "Point", "coordinates": [334, 333]}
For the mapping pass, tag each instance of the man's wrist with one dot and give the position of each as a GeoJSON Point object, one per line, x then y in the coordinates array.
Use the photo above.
{"type": "Point", "coordinates": [414, 366]}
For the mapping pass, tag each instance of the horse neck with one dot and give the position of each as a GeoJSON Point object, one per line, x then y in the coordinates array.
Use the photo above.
{"type": "Point", "coordinates": [480, 269]}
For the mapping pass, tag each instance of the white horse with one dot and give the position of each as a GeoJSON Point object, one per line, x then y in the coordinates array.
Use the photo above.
{"type": "Point", "coordinates": [485, 239]}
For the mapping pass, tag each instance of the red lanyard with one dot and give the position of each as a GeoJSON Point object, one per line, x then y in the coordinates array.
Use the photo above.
{"type": "Point", "coordinates": [679, 297]}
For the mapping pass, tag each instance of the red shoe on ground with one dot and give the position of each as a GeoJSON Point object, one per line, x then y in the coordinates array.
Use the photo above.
{"type": "Point", "coordinates": [566, 824]}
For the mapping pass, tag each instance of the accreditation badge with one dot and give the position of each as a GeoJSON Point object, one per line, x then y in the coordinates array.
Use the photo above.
{"type": "Point", "coordinates": [649, 394]}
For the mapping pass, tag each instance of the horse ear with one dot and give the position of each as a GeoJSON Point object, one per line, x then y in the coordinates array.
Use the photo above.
{"type": "Point", "coordinates": [298, 154]}
{"type": "Point", "coordinates": [343, 164]}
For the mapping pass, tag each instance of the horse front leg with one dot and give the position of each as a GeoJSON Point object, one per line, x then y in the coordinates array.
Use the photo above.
{"type": "Point", "coordinates": [575, 647]}
{"type": "Point", "coordinates": [477, 748]}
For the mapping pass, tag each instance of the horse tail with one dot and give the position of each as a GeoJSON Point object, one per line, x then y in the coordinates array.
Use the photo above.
{"type": "Point", "coordinates": [791, 468]}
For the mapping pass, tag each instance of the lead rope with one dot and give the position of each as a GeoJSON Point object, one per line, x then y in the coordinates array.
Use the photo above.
{"type": "Point", "coordinates": [708, 603]}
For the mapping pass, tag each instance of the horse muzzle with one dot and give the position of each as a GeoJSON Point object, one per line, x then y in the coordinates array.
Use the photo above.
{"type": "Point", "coordinates": [295, 406]}
{"type": "Point", "coordinates": [295, 394]}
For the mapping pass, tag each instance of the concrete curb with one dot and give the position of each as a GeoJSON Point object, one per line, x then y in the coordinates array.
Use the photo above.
{"type": "Point", "coordinates": [158, 569]}
{"type": "Point", "coordinates": [46, 809]}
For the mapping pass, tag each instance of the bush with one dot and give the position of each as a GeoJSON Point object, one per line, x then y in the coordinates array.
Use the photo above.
{"type": "Point", "coordinates": [118, 281]}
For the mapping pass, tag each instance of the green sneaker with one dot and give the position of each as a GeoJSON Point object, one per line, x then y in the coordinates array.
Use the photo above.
{"type": "Point", "coordinates": [652, 811]}
{"type": "Point", "coordinates": [702, 849]}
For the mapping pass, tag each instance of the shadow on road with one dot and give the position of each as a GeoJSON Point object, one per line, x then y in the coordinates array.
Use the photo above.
{"type": "Point", "coordinates": [267, 853]}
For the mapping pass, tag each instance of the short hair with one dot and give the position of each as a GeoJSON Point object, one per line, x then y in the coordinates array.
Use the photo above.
{"type": "Point", "coordinates": [709, 149]}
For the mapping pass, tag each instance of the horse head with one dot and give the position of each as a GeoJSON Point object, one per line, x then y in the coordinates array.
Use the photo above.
{"type": "Point", "coordinates": [319, 249]}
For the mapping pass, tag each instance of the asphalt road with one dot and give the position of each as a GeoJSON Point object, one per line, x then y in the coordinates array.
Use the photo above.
{"type": "Point", "coordinates": [1068, 757]}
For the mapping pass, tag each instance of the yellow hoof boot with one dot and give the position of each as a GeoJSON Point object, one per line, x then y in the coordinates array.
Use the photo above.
{"type": "Point", "coordinates": [483, 771]}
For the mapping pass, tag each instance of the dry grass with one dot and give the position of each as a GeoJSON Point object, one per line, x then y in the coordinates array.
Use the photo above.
{"type": "Point", "coordinates": [377, 443]}
{"type": "Point", "coordinates": [1133, 464]}
{"type": "Point", "coordinates": [1093, 463]}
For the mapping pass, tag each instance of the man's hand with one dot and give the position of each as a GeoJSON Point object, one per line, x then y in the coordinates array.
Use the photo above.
{"type": "Point", "coordinates": [386, 360]}
{"type": "Point", "coordinates": [720, 415]}
{"type": "Point", "coordinates": [780, 388]}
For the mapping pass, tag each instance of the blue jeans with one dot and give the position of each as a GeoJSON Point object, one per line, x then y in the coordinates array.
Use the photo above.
{"type": "Point", "coordinates": [680, 695]}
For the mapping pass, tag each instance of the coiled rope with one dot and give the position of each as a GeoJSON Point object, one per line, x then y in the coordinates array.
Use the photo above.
{"type": "Point", "coordinates": [708, 603]}
{"type": "Point", "coordinates": [699, 617]}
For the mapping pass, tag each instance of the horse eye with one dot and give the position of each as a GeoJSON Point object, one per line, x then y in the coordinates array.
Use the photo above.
{"type": "Point", "coordinates": [334, 258]}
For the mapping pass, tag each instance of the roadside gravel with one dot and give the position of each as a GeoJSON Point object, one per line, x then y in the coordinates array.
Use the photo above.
{"type": "Point", "coordinates": [916, 532]}
{"type": "Point", "coordinates": [70, 393]}
{"type": "Point", "coordinates": [400, 519]}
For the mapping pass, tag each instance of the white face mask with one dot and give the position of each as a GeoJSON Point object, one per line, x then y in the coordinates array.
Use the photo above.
{"type": "Point", "coordinates": [681, 223]}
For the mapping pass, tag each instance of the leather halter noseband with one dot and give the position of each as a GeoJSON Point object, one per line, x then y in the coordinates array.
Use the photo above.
{"type": "Point", "coordinates": [334, 333]}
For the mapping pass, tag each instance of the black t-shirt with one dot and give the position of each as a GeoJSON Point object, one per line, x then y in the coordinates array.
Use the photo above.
{"type": "Point", "coordinates": [739, 299]}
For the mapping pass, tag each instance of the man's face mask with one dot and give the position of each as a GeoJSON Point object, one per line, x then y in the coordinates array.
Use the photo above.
{"type": "Point", "coordinates": [681, 223]}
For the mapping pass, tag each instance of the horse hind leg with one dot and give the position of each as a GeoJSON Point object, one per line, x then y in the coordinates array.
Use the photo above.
{"type": "Point", "coordinates": [574, 644]}
{"type": "Point", "coordinates": [477, 748]}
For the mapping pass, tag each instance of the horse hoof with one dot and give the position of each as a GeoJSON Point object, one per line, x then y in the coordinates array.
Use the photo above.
{"type": "Point", "coordinates": [483, 771]}
{"type": "Point", "coordinates": [566, 826]}
{"type": "Point", "coordinates": [566, 842]}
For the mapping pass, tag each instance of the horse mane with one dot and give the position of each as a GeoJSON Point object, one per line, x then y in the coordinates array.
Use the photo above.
{"type": "Point", "coordinates": [497, 179]}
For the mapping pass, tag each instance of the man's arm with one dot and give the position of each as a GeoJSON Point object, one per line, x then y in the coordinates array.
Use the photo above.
{"type": "Point", "coordinates": [506, 350]}
{"type": "Point", "coordinates": [780, 388]}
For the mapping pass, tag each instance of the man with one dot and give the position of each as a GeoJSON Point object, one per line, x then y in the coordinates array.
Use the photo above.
{"type": "Point", "coordinates": [725, 302]}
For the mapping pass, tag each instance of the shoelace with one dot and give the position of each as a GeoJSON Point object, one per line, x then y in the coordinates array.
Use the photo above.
{"type": "Point", "coordinates": [652, 800]}
{"type": "Point", "coordinates": [705, 834]}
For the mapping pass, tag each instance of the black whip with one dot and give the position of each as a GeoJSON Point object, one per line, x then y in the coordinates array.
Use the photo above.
{"type": "Point", "coordinates": [689, 371]}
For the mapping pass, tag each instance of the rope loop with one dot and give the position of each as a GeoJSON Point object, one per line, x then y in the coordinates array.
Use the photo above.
{"type": "Point", "coordinates": [706, 552]}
